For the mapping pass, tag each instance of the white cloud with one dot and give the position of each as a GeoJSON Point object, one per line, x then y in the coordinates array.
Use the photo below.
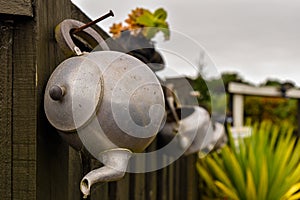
{"type": "Point", "coordinates": [260, 39]}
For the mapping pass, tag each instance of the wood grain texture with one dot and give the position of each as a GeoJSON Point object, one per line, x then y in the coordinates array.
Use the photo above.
{"type": "Point", "coordinates": [171, 182]}
{"type": "Point", "coordinates": [192, 178]}
{"type": "Point", "coordinates": [6, 109]}
{"type": "Point", "coordinates": [123, 188]}
{"type": "Point", "coordinates": [137, 181]}
{"type": "Point", "coordinates": [53, 152]}
{"type": "Point", "coordinates": [151, 177]}
{"type": "Point", "coordinates": [177, 181]}
{"type": "Point", "coordinates": [98, 191]}
{"type": "Point", "coordinates": [162, 182]}
{"type": "Point", "coordinates": [74, 174]}
{"type": "Point", "coordinates": [16, 7]}
{"type": "Point", "coordinates": [24, 111]}
{"type": "Point", "coordinates": [183, 178]}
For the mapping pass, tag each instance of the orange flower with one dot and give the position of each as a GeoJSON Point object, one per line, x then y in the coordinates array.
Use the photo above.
{"type": "Point", "coordinates": [116, 29]}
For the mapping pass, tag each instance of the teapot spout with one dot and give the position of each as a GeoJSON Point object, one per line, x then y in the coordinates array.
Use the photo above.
{"type": "Point", "coordinates": [115, 164]}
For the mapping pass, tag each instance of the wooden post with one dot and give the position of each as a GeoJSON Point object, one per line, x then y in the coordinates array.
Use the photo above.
{"type": "Point", "coordinates": [6, 32]}
{"type": "Point", "coordinates": [238, 110]}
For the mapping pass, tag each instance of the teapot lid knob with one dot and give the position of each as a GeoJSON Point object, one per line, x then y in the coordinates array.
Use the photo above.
{"type": "Point", "coordinates": [56, 92]}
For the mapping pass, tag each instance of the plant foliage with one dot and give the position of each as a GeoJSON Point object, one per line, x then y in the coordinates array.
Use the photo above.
{"type": "Point", "coordinates": [265, 166]}
{"type": "Point", "coordinates": [273, 109]}
{"type": "Point", "coordinates": [145, 22]}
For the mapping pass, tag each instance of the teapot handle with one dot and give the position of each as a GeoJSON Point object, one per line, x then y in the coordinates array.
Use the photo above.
{"type": "Point", "coordinates": [69, 41]}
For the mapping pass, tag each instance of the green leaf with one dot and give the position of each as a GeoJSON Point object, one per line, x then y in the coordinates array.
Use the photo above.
{"type": "Point", "coordinates": [238, 177]}
{"type": "Point", "coordinates": [146, 19]}
{"type": "Point", "coordinates": [263, 182]}
{"type": "Point", "coordinates": [234, 170]}
{"type": "Point", "coordinates": [291, 191]}
{"type": "Point", "coordinates": [295, 158]}
{"type": "Point", "coordinates": [206, 176]}
{"type": "Point", "coordinates": [252, 163]}
{"type": "Point", "coordinates": [250, 190]}
{"type": "Point", "coordinates": [227, 191]}
{"type": "Point", "coordinates": [231, 141]}
{"type": "Point", "coordinates": [218, 172]}
{"type": "Point", "coordinates": [294, 176]}
{"type": "Point", "coordinates": [281, 159]}
{"type": "Point", "coordinates": [153, 23]}
{"type": "Point", "coordinates": [160, 13]}
{"type": "Point", "coordinates": [295, 196]}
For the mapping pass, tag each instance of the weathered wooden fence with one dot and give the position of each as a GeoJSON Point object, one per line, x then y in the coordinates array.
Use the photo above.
{"type": "Point", "coordinates": [35, 162]}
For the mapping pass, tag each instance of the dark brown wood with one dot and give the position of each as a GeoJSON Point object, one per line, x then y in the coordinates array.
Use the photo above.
{"type": "Point", "coordinates": [74, 175]}
{"type": "Point", "coordinates": [16, 7]}
{"type": "Point", "coordinates": [123, 188]}
{"type": "Point", "coordinates": [151, 177]}
{"type": "Point", "coordinates": [6, 32]}
{"type": "Point", "coordinates": [24, 111]}
{"type": "Point", "coordinates": [171, 182]}
{"type": "Point", "coordinates": [162, 190]}
{"type": "Point", "coordinates": [138, 184]}
{"type": "Point", "coordinates": [183, 178]}
{"type": "Point", "coordinates": [99, 191]}
{"type": "Point", "coordinates": [53, 152]}
{"type": "Point", "coordinates": [192, 177]}
{"type": "Point", "coordinates": [177, 181]}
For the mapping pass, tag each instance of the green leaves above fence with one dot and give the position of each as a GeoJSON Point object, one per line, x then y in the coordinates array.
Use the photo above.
{"type": "Point", "coordinates": [265, 166]}
{"type": "Point", "coordinates": [143, 21]}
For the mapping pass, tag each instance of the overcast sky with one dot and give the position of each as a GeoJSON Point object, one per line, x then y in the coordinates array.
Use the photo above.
{"type": "Point", "coordinates": [259, 39]}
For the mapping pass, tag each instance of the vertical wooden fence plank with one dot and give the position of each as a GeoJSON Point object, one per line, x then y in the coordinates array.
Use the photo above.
{"type": "Point", "coordinates": [75, 174]}
{"type": "Point", "coordinates": [5, 109]}
{"type": "Point", "coordinates": [177, 182]}
{"type": "Point", "coordinates": [100, 190]}
{"type": "Point", "coordinates": [192, 177]}
{"type": "Point", "coordinates": [171, 182]}
{"type": "Point", "coordinates": [151, 177]}
{"type": "Point", "coordinates": [162, 190]}
{"type": "Point", "coordinates": [53, 152]}
{"type": "Point", "coordinates": [24, 112]}
{"type": "Point", "coordinates": [121, 191]}
{"type": "Point", "coordinates": [137, 182]}
{"type": "Point", "coordinates": [183, 178]}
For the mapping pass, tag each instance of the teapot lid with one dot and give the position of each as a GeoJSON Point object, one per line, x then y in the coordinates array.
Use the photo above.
{"type": "Point", "coordinates": [74, 89]}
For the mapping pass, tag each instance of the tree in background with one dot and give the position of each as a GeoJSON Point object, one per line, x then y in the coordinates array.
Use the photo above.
{"type": "Point", "coordinates": [257, 109]}
{"type": "Point", "coordinates": [201, 84]}
{"type": "Point", "coordinates": [274, 109]}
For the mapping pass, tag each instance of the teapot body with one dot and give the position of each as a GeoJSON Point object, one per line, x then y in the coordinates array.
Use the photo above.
{"type": "Point", "coordinates": [110, 100]}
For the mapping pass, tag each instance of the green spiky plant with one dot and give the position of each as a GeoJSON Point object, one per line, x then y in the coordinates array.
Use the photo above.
{"type": "Point", "coordinates": [265, 166]}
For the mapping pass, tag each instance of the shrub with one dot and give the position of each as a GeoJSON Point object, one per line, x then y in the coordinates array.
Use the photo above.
{"type": "Point", "coordinates": [262, 166]}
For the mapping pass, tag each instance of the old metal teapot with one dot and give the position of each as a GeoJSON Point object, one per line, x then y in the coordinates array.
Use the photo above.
{"type": "Point", "coordinates": [108, 102]}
